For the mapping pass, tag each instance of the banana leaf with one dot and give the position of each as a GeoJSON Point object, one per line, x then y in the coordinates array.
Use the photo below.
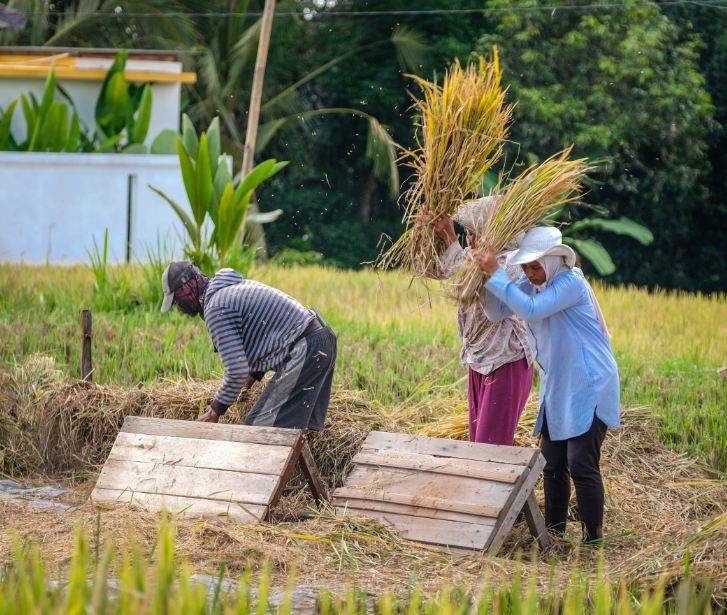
{"type": "Point", "coordinates": [142, 118]}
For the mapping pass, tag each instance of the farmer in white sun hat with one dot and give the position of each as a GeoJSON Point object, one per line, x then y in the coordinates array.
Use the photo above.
{"type": "Point", "coordinates": [497, 354]}
{"type": "Point", "coordinates": [579, 385]}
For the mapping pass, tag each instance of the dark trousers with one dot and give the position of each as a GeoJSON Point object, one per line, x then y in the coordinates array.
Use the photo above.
{"type": "Point", "coordinates": [576, 458]}
{"type": "Point", "coordinates": [297, 396]}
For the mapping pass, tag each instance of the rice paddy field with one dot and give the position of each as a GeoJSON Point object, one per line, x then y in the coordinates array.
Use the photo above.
{"type": "Point", "coordinates": [398, 369]}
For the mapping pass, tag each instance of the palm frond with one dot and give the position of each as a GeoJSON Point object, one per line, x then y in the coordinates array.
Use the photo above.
{"type": "Point", "coordinates": [410, 47]}
{"type": "Point", "coordinates": [381, 151]}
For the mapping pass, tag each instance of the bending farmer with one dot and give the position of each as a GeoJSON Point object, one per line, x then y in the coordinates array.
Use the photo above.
{"type": "Point", "coordinates": [579, 385]}
{"type": "Point", "coordinates": [257, 328]}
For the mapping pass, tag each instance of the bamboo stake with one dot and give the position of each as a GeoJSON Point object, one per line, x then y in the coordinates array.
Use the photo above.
{"type": "Point", "coordinates": [86, 335]}
{"type": "Point", "coordinates": [253, 116]}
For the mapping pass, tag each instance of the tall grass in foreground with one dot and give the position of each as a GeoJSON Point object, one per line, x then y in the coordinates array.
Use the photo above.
{"type": "Point", "coordinates": [163, 584]}
{"type": "Point", "coordinates": [398, 341]}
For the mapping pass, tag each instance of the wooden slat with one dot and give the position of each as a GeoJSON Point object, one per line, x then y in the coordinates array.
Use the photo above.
{"type": "Point", "coordinates": [156, 478]}
{"type": "Point", "coordinates": [210, 431]}
{"type": "Point", "coordinates": [520, 494]}
{"type": "Point", "coordinates": [411, 482]}
{"type": "Point", "coordinates": [435, 531]}
{"type": "Point", "coordinates": [287, 472]}
{"type": "Point", "coordinates": [310, 471]}
{"type": "Point", "coordinates": [244, 513]}
{"type": "Point", "coordinates": [535, 521]}
{"type": "Point", "coordinates": [403, 509]}
{"type": "Point", "coordinates": [386, 495]}
{"type": "Point", "coordinates": [381, 440]}
{"type": "Point", "coordinates": [188, 452]}
{"type": "Point", "coordinates": [489, 470]}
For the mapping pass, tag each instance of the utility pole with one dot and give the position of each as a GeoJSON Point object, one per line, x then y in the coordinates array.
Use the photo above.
{"type": "Point", "coordinates": [253, 116]}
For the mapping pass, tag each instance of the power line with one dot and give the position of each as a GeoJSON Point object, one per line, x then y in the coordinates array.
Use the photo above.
{"type": "Point", "coordinates": [608, 6]}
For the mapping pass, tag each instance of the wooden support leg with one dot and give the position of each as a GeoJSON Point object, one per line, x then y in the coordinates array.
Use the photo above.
{"type": "Point", "coordinates": [310, 471]}
{"type": "Point", "coordinates": [535, 521]}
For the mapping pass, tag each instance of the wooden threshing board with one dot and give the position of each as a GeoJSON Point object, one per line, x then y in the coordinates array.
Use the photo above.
{"type": "Point", "coordinates": [446, 493]}
{"type": "Point", "coordinates": [204, 469]}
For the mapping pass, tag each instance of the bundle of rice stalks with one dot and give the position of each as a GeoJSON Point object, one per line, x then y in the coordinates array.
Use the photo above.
{"type": "Point", "coordinates": [463, 129]}
{"type": "Point", "coordinates": [530, 200]}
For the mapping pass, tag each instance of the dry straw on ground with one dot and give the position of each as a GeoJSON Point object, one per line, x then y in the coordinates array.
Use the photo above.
{"type": "Point", "coordinates": [463, 127]}
{"type": "Point", "coordinates": [528, 201]}
{"type": "Point", "coordinates": [659, 504]}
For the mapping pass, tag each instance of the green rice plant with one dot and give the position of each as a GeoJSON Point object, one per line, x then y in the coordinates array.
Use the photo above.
{"type": "Point", "coordinates": [111, 292]}
{"type": "Point", "coordinates": [462, 131]}
{"type": "Point", "coordinates": [165, 586]}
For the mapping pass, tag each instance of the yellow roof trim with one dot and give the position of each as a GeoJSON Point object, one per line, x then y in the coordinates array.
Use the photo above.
{"type": "Point", "coordinates": [8, 69]}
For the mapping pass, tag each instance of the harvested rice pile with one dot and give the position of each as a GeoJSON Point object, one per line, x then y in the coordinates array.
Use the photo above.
{"type": "Point", "coordinates": [659, 504]}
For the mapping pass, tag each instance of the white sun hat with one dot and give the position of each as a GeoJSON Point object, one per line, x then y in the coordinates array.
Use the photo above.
{"type": "Point", "coordinates": [542, 241]}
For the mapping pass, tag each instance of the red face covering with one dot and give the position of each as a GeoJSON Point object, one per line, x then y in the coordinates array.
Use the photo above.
{"type": "Point", "coordinates": [188, 296]}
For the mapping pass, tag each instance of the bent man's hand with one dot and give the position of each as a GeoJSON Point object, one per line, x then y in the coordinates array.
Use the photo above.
{"type": "Point", "coordinates": [210, 416]}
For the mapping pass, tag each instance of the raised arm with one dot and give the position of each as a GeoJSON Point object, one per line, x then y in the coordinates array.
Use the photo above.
{"type": "Point", "coordinates": [453, 257]}
{"type": "Point", "coordinates": [563, 293]}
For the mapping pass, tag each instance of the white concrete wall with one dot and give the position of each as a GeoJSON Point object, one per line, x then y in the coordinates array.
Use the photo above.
{"type": "Point", "coordinates": [164, 114]}
{"type": "Point", "coordinates": [52, 205]}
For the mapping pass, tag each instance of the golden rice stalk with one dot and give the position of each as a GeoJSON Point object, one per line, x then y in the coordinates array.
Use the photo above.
{"type": "Point", "coordinates": [529, 201]}
{"type": "Point", "coordinates": [462, 130]}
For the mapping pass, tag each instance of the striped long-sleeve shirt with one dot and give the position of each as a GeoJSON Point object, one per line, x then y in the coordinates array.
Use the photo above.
{"type": "Point", "coordinates": [252, 326]}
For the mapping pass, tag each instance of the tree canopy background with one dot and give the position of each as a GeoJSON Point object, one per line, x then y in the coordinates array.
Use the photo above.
{"type": "Point", "coordinates": [638, 87]}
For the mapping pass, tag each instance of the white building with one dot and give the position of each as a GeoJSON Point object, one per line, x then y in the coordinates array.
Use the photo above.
{"type": "Point", "coordinates": [52, 205]}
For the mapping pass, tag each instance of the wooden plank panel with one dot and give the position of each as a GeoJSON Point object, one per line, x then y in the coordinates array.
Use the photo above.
{"type": "Point", "coordinates": [385, 495]}
{"type": "Point", "coordinates": [244, 513]}
{"type": "Point", "coordinates": [187, 482]}
{"type": "Point", "coordinates": [412, 482]}
{"type": "Point", "coordinates": [489, 470]}
{"type": "Point", "coordinates": [382, 440]}
{"type": "Point", "coordinates": [434, 531]}
{"type": "Point", "coordinates": [187, 452]}
{"type": "Point", "coordinates": [404, 509]}
{"type": "Point", "coordinates": [210, 431]}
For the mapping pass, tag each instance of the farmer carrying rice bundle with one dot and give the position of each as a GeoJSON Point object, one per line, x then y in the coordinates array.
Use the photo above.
{"type": "Point", "coordinates": [257, 328]}
{"type": "Point", "coordinates": [579, 390]}
{"type": "Point", "coordinates": [497, 353]}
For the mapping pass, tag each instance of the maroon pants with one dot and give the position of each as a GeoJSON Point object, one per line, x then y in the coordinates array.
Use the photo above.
{"type": "Point", "coordinates": [497, 400]}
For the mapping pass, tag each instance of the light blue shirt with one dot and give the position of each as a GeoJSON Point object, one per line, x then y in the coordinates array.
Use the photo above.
{"type": "Point", "coordinates": [578, 372]}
